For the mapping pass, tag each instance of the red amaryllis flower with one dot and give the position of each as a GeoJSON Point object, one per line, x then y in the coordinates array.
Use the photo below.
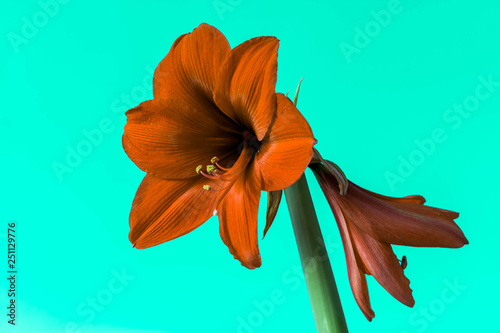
{"type": "Point", "coordinates": [369, 223]}
{"type": "Point", "coordinates": [211, 100]}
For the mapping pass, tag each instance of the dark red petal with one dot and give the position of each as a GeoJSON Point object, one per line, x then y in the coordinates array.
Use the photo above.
{"type": "Point", "coordinates": [238, 213]}
{"type": "Point", "coordinates": [169, 139]}
{"type": "Point", "coordinates": [355, 271]}
{"type": "Point", "coordinates": [400, 222]}
{"type": "Point", "coordinates": [417, 199]}
{"type": "Point", "coordinates": [166, 209]}
{"type": "Point", "coordinates": [380, 261]}
{"type": "Point", "coordinates": [287, 149]}
{"type": "Point", "coordinates": [245, 87]}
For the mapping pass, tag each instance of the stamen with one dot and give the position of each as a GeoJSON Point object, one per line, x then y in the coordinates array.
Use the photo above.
{"type": "Point", "coordinates": [222, 168]}
{"type": "Point", "coordinates": [212, 172]}
{"type": "Point", "coordinates": [214, 160]}
{"type": "Point", "coordinates": [211, 169]}
{"type": "Point", "coordinates": [404, 262]}
{"type": "Point", "coordinates": [206, 187]}
{"type": "Point", "coordinates": [208, 176]}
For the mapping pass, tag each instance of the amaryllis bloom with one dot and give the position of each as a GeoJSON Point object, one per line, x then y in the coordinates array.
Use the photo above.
{"type": "Point", "coordinates": [215, 135]}
{"type": "Point", "coordinates": [369, 223]}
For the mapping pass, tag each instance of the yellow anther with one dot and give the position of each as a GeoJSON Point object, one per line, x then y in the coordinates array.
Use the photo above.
{"type": "Point", "coordinates": [198, 168]}
{"type": "Point", "coordinates": [214, 159]}
{"type": "Point", "coordinates": [211, 168]}
{"type": "Point", "coordinates": [206, 187]}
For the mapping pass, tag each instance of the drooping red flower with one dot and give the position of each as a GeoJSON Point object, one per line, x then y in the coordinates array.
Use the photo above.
{"type": "Point", "coordinates": [370, 223]}
{"type": "Point", "coordinates": [215, 135]}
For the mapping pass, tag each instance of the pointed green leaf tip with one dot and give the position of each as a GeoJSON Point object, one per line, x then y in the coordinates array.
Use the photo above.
{"type": "Point", "coordinates": [296, 97]}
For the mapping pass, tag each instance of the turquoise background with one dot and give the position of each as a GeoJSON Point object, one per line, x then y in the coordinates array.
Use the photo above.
{"type": "Point", "coordinates": [370, 107]}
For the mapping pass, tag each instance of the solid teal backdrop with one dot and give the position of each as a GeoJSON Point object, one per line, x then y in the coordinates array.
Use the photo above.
{"type": "Point", "coordinates": [403, 95]}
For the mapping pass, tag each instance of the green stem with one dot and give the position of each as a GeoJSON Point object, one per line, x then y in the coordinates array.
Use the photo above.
{"type": "Point", "coordinates": [323, 293]}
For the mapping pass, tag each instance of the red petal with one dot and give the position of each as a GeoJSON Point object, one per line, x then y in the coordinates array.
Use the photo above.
{"type": "Point", "coordinates": [245, 87]}
{"type": "Point", "coordinates": [238, 213]}
{"type": "Point", "coordinates": [166, 209]}
{"type": "Point", "coordinates": [169, 139]}
{"type": "Point", "coordinates": [287, 149]}
{"type": "Point", "coordinates": [188, 71]}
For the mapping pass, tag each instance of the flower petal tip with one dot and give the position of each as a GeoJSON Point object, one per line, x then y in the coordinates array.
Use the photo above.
{"type": "Point", "coordinates": [412, 304]}
{"type": "Point", "coordinates": [458, 240]}
{"type": "Point", "coordinates": [252, 266]}
{"type": "Point", "coordinates": [369, 314]}
{"type": "Point", "coordinates": [249, 262]}
{"type": "Point", "coordinates": [408, 299]}
{"type": "Point", "coordinates": [246, 259]}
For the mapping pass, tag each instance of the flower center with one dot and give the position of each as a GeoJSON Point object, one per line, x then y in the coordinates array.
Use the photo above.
{"type": "Point", "coordinates": [251, 140]}
{"type": "Point", "coordinates": [248, 149]}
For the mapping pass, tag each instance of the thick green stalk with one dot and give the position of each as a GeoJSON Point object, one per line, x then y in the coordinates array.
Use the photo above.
{"type": "Point", "coordinates": [323, 293]}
